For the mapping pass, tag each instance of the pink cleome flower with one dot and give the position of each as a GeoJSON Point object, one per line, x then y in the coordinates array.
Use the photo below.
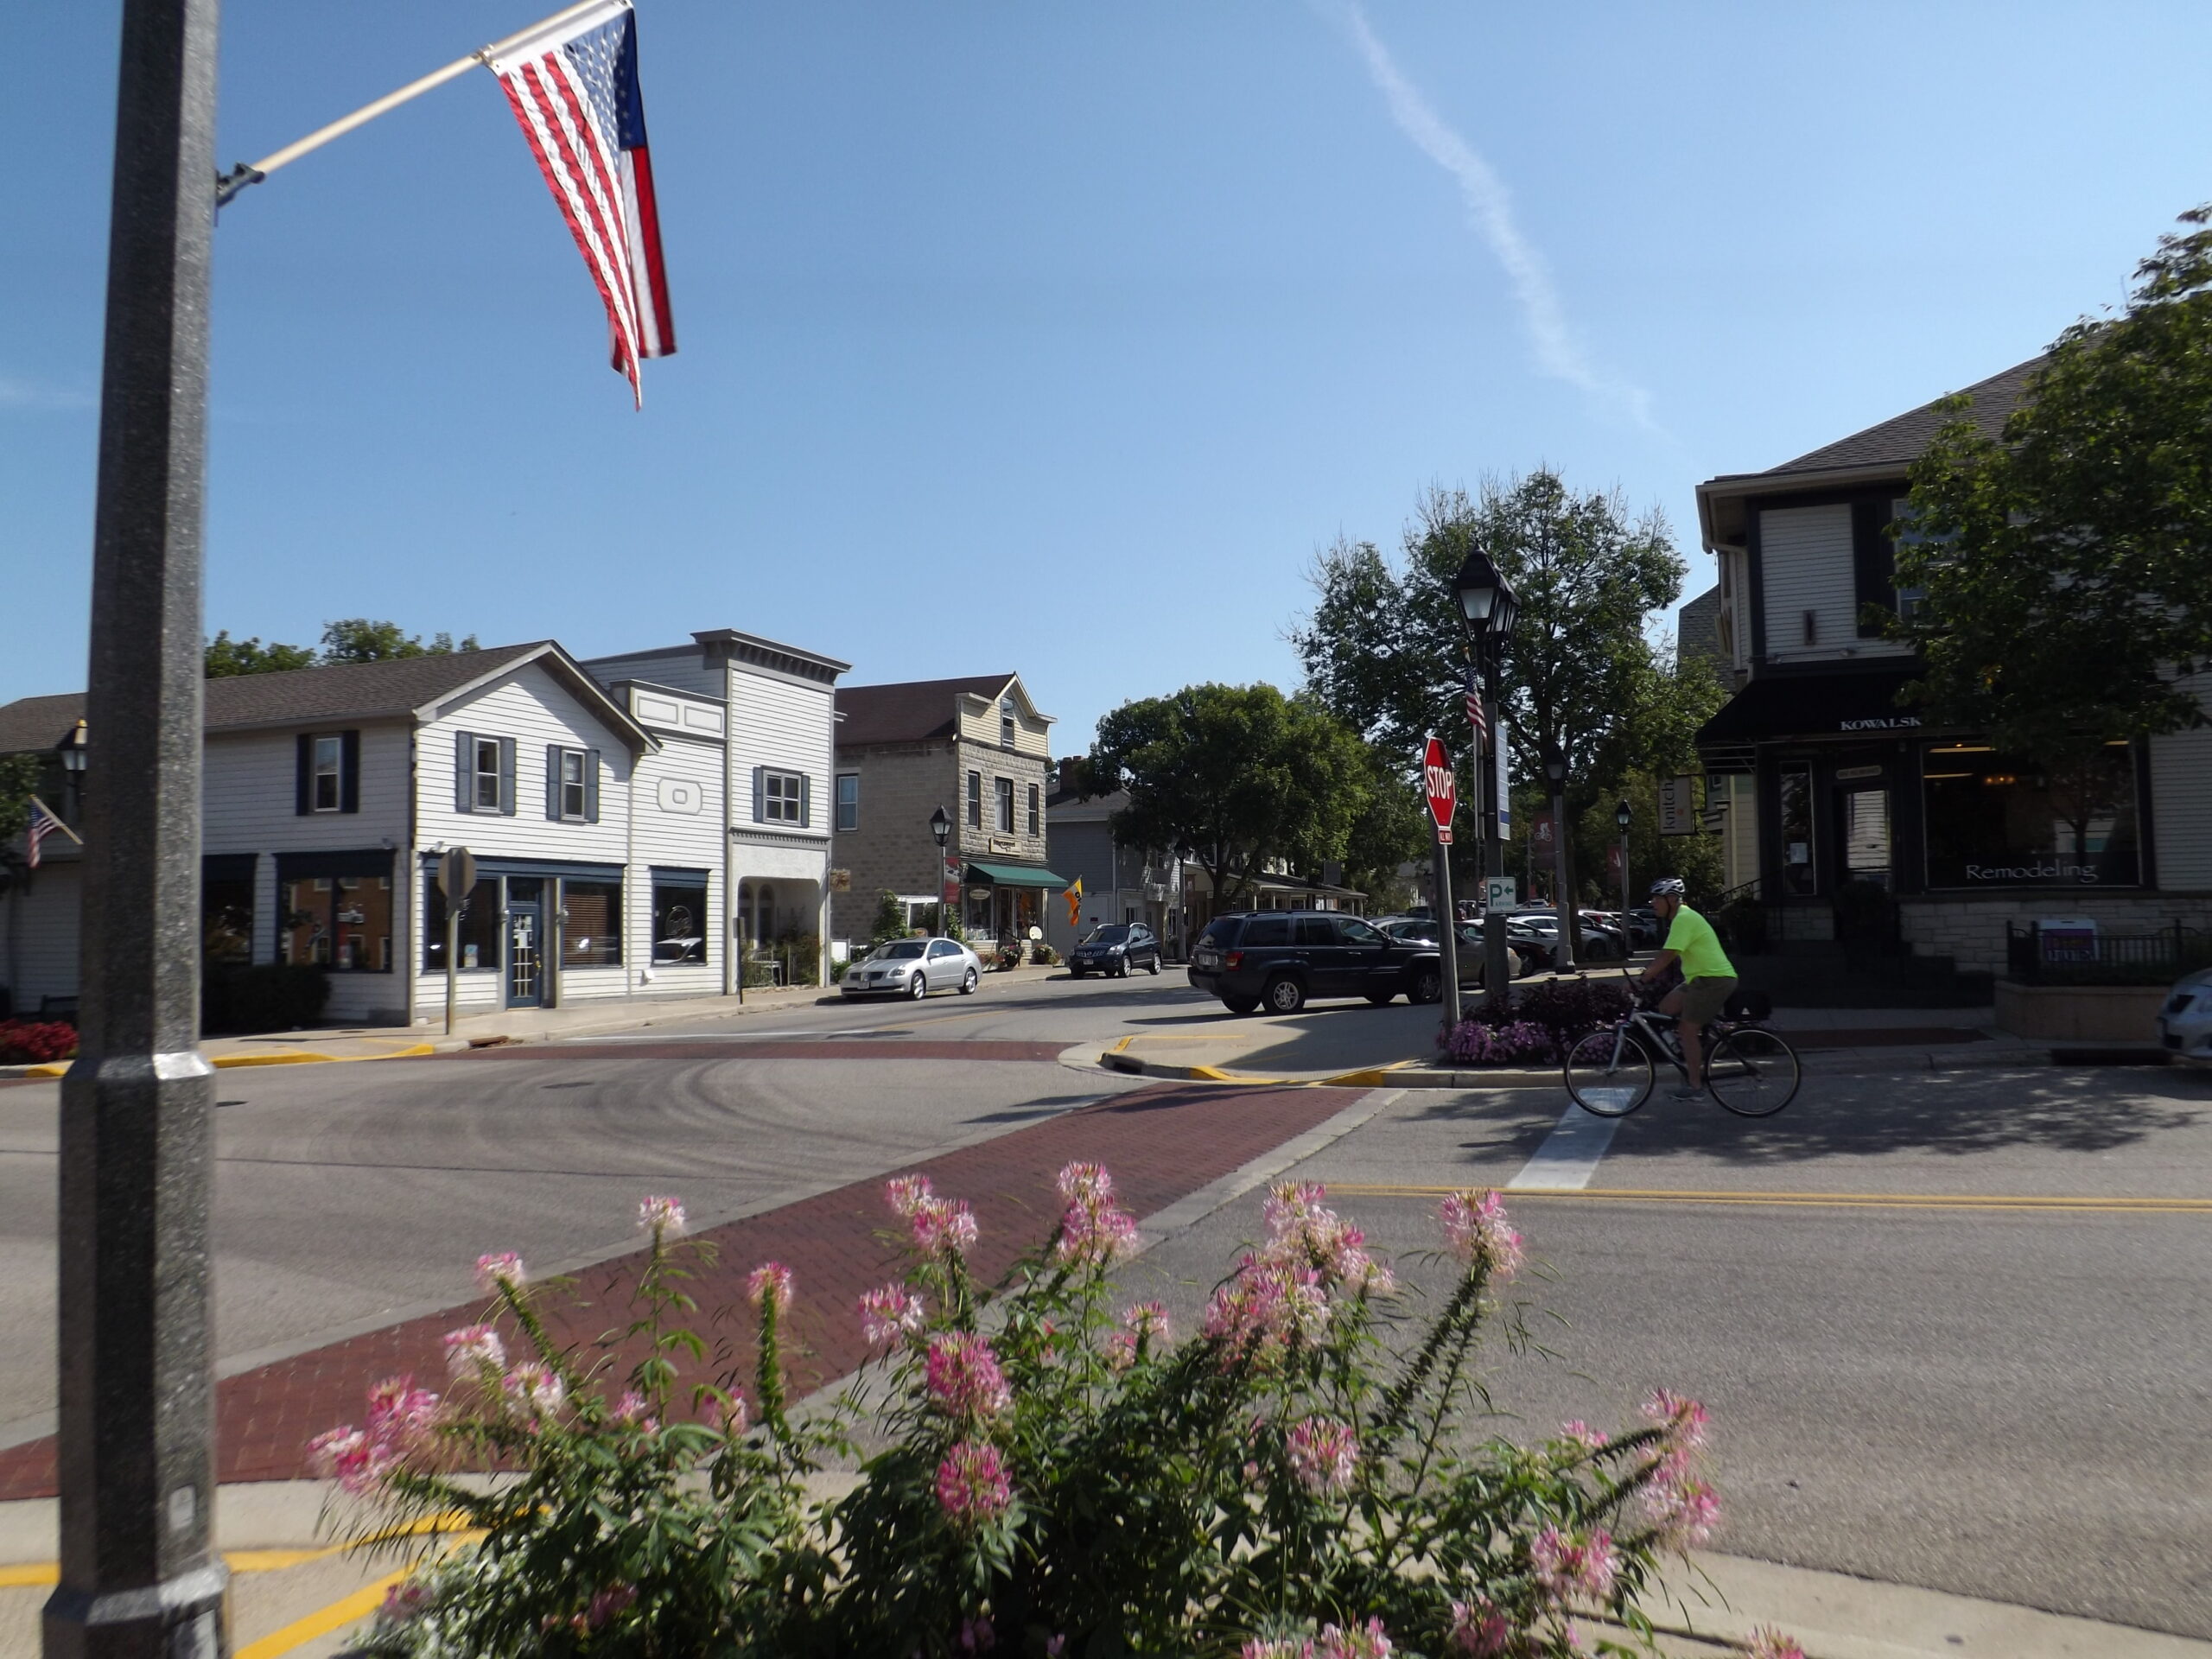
{"type": "Point", "coordinates": [1684, 1509]}
{"type": "Point", "coordinates": [1476, 1227]}
{"type": "Point", "coordinates": [1097, 1234]}
{"type": "Point", "coordinates": [889, 1314]}
{"type": "Point", "coordinates": [1480, 1628]}
{"type": "Point", "coordinates": [944, 1225]}
{"type": "Point", "coordinates": [1265, 1307]}
{"type": "Point", "coordinates": [474, 1349]}
{"type": "Point", "coordinates": [972, 1485]}
{"type": "Point", "coordinates": [1683, 1418]}
{"type": "Point", "coordinates": [493, 1271]}
{"type": "Point", "coordinates": [1324, 1455]}
{"type": "Point", "coordinates": [1767, 1642]}
{"type": "Point", "coordinates": [1303, 1232]}
{"type": "Point", "coordinates": [964, 1379]}
{"type": "Point", "coordinates": [661, 1216]}
{"type": "Point", "coordinates": [533, 1388]}
{"type": "Point", "coordinates": [608, 1604]}
{"type": "Point", "coordinates": [1275, 1647]}
{"type": "Point", "coordinates": [1568, 1566]}
{"type": "Point", "coordinates": [770, 1284]}
{"type": "Point", "coordinates": [350, 1457]}
{"type": "Point", "coordinates": [906, 1193]}
{"type": "Point", "coordinates": [407, 1599]}
{"type": "Point", "coordinates": [1085, 1184]}
{"type": "Point", "coordinates": [731, 1419]}
{"type": "Point", "coordinates": [401, 1418]}
{"type": "Point", "coordinates": [633, 1410]}
{"type": "Point", "coordinates": [1366, 1641]}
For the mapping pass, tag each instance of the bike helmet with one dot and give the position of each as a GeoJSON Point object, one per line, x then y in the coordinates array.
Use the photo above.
{"type": "Point", "coordinates": [1667, 886]}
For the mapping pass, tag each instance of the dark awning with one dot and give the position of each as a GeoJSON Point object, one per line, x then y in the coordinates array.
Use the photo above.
{"type": "Point", "coordinates": [1859, 701]}
{"type": "Point", "coordinates": [1014, 875]}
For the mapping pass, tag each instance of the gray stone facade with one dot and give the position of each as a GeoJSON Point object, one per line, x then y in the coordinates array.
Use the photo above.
{"type": "Point", "coordinates": [1971, 931]}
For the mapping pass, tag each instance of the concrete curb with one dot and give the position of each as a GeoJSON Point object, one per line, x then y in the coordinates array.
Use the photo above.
{"type": "Point", "coordinates": [230, 1062]}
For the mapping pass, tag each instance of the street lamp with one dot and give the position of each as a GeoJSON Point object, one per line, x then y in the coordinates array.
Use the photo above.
{"type": "Point", "coordinates": [72, 749]}
{"type": "Point", "coordinates": [941, 826]}
{"type": "Point", "coordinates": [1487, 610]}
{"type": "Point", "coordinates": [1621, 817]}
{"type": "Point", "coordinates": [1555, 769]}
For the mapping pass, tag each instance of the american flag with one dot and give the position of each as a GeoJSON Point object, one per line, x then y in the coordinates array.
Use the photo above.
{"type": "Point", "coordinates": [1475, 703]}
{"type": "Point", "coordinates": [43, 823]}
{"type": "Point", "coordinates": [573, 86]}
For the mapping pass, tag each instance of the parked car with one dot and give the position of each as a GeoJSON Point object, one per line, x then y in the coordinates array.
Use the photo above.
{"type": "Point", "coordinates": [2185, 1021]}
{"type": "Point", "coordinates": [914, 968]}
{"type": "Point", "coordinates": [1597, 942]}
{"type": "Point", "coordinates": [1529, 952]}
{"type": "Point", "coordinates": [1117, 948]}
{"type": "Point", "coordinates": [1282, 957]}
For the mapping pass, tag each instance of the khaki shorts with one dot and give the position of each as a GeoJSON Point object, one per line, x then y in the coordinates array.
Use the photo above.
{"type": "Point", "coordinates": [1703, 999]}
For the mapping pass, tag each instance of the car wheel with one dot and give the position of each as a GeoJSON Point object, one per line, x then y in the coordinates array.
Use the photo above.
{"type": "Point", "coordinates": [1122, 968]}
{"type": "Point", "coordinates": [1284, 995]}
{"type": "Point", "coordinates": [1427, 986]}
{"type": "Point", "coordinates": [968, 984]}
{"type": "Point", "coordinates": [1241, 1004]}
{"type": "Point", "coordinates": [919, 987]}
{"type": "Point", "coordinates": [1156, 964]}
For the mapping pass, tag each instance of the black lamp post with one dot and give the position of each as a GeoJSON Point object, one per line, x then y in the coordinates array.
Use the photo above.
{"type": "Point", "coordinates": [1487, 610]}
{"type": "Point", "coordinates": [941, 826]}
{"type": "Point", "coordinates": [1621, 817]}
{"type": "Point", "coordinates": [72, 749]}
{"type": "Point", "coordinates": [1555, 769]}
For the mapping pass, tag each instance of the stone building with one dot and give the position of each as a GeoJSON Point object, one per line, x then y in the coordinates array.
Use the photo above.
{"type": "Point", "coordinates": [976, 747]}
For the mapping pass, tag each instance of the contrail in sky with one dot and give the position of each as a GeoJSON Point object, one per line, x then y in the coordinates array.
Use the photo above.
{"type": "Point", "coordinates": [1491, 205]}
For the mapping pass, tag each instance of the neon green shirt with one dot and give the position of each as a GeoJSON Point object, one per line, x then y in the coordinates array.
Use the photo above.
{"type": "Point", "coordinates": [1692, 938]}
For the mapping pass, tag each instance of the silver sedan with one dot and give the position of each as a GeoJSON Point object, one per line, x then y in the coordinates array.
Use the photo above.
{"type": "Point", "coordinates": [914, 968]}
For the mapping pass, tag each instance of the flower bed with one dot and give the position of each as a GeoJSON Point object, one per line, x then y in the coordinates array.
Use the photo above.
{"type": "Point", "coordinates": [27, 1042]}
{"type": "Point", "coordinates": [1058, 1477]}
{"type": "Point", "coordinates": [1546, 1020]}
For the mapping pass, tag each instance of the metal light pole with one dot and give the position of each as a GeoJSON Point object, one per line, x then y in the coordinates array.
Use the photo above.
{"type": "Point", "coordinates": [1621, 818]}
{"type": "Point", "coordinates": [941, 826]}
{"type": "Point", "coordinates": [137, 1391]}
{"type": "Point", "coordinates": [1488, 609]}
{"type": "Point", "coordinates": [1555, 769]}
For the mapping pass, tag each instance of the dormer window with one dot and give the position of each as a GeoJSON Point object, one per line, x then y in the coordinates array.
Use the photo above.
{"type": "Point", "coordinates": [1006, 723]}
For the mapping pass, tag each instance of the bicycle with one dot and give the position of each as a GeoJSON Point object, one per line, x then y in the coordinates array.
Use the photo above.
{"type": "Point", "coordinates": [1750, 1069]}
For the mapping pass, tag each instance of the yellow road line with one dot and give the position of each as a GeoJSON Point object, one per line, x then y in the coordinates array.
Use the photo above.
{"type": "Point", "coordinates": [322, 1621]}
{"type": "Point", "coordinates": [2144, 1206]}
{"type": "Point", "coordinates": [30, 1575]}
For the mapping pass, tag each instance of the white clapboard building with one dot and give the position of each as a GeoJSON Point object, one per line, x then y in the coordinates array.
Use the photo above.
{"type": "Point", "coordinates": [599, 817]}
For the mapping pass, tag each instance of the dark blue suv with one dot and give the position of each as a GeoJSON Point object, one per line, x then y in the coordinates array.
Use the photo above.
{"type": "Point", "coordinates": [1279, 958]}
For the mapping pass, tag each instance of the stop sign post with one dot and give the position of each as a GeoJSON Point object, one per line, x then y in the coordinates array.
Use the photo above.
{"type": "Point", "coordinates": [1442, 788]}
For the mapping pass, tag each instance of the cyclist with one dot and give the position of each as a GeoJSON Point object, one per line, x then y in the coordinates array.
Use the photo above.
{"type": "Point", "coordinates": [1707, 976]}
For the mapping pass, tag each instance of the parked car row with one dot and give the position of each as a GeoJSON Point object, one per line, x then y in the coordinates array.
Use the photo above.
{"type": "Point", "coordinates": [1529, 953]}
{"type": "Point", "coordinates": [1281, 958]}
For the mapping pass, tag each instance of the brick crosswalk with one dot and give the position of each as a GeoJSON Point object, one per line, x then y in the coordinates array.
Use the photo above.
{"type": "Point", "coordinates": [1162, 1144]}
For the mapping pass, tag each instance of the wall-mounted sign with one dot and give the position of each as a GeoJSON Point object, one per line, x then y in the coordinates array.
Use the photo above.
{"type": "Point", "coordinates": [1004, 844]}
{"type": "Point", "coordinates": [1881, 723]}
{"type": "Point", "coordinates": [1681, 801]}
{"type": "Point", "coordinates": [1845, 774]}
{"type": "Point", "coordinates": [841, 880]}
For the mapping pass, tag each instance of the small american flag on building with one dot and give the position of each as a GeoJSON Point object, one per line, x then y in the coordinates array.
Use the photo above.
{"type": "Point", "coordinates": [1474, 703]}
{"type": "Point", "coordinates": [573, 86]}
{"type": "Point", "coordinates": [43, 823]}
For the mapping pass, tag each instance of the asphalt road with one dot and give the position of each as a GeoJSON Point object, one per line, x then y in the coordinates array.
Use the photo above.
{"type": "Point", "coordinates": [1999, 1401]}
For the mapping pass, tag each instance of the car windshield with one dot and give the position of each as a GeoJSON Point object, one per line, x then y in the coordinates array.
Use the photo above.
{"type": "Point", "coordinates": [900, 950]}
{"type": "Point", "coordinates": [1115, 933]}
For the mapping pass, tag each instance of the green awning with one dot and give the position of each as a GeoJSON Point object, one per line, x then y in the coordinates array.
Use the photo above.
{"type": "Point", "coordinates": [1014, 875]}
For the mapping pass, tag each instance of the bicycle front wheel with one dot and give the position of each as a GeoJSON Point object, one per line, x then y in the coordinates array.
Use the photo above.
{"type": "Point", "coordinates": [1753, 1072]}
{"type": "Point", "coordinates": [1608, 1073]}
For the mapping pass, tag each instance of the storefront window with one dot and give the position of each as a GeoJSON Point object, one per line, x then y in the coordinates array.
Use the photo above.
{"type": "Point", "coordinates": [591, 924]}
{"type": "Point", "coordinates": [479, 928]}
{"type": "Point", "coordinates": [1997, 820]}
{"type": "Point", "coordinates": [1793, 814]}
{"type": "Point", "coordinates": [343, 922]}
{"type": "Point", "coordinates": [226, 918]}
{"type": "Point", "coordinates": [679, 920]}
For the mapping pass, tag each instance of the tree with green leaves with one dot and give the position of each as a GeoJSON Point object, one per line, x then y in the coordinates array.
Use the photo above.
{"type": "Point", "coordinates": [226, 657]}
{"type": "Point", "coordinates": [21, 776]}
{"type": "Point", "coordinates": [1242, 774]}
{"type": "Point", "coordinates": [2064, 567]}
{"type": "Point", "coordinates": [357, 639]}
{"type": "Point", "coordinates": [1581, 679]}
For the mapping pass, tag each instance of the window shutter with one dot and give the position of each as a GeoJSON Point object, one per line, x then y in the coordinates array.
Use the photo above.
{"type": "Point", "coordinates": [1873, 561]}
{"type": "Point", "coordinates": [591, 786]}
{"type": "Point", "coordinates": [303, 773]}
{"type": "Point", "coordinates": [805, 800]}
{"type": "Point", "coordinates": [759, 794]}
{"type": "Point", "coordinates": [553, 780]}
{"type": "Point", "coordinates": [506, 777]}
{"type": "Point", "coordinates": [464, 778]}
{"type": "Point", "coordinates": [349, 771]}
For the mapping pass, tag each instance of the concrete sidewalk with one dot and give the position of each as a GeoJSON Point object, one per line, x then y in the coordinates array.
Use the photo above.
{"type": "Point", "coordinates": [510, 1026]}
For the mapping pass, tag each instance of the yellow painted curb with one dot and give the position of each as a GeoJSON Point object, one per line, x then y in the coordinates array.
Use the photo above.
{"type": "Point", "coordinates": [300, 1631]}
{"type": "Point", "coordinates": [230, 1062]}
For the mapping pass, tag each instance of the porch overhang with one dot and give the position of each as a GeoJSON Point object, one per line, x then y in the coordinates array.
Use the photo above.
{"type": "Point", "coordinates": [1858, 703]}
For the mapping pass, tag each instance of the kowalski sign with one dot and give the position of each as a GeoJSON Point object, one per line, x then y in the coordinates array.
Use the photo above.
{"type": "Point", "coordinates": [1681, 803]}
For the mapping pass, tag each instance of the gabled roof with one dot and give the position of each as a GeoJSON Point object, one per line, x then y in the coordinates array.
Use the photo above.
{"type": "Point", "coordinates": [910, 712]}
{"type": "Point", "coordinates": [405, 686]}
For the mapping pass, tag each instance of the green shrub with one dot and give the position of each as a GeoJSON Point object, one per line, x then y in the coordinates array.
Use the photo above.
{"type": "Point", "coordinates": [268, 996]}
{"type": "Point", "coordinates": [1057, 1478]}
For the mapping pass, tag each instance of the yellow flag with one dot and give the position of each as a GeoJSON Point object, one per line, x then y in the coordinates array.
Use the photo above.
{"type": "Point", "coordinates": [1074, 902]}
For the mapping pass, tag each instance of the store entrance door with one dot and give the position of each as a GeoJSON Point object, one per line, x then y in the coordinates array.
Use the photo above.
{"type": "Point", "coordinates": [525, 942]}
{"type": "Point", "coordinates": [1864, 831]}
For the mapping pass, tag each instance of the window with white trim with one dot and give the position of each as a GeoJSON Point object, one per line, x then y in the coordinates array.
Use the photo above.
{"type": "Point", "coordinates": [975, 800]}
{"type": "Point", "coordinates": [486, 771]}
{"type": "Point", "coordinates": [572, 791]}
{"type": "Point", "coordinates": [329, 773]}
{"type": "Point", "coordinates": [1036, 815]}
{"type": "Point", "coordinates": [1005, 790]}
{"type": "Point", "coordinates": [780, 797]}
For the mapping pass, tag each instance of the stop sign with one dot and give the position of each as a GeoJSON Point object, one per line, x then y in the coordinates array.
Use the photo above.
{"type": "Point", "coordinates": [1442, 788]}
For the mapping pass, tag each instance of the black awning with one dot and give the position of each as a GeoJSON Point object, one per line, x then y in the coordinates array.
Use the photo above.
{"type": "Point", "coordinates": [1841, 704]}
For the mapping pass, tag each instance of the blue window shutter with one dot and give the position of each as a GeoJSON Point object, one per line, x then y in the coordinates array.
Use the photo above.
{"type": "Point", "coordinates": [302, 774]}
{"type": "Point", "coordinates": [805, 800]}
{"type": "Point", "coordinates": [759, 794]}
{"type": "Point", "coordinates": [506, 777]}
{"type": "Point", "coordinates": [553, 780]}
{"type": "Point", "coordinates": [464, 771]}
{"type": "Point", "coordinates": [591, 786]}
{"type": "Point", "coordinates": [349, 772]}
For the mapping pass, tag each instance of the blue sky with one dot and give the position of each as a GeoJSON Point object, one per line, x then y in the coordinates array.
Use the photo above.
{"type": "Point", "coordinates": [1058, 338]}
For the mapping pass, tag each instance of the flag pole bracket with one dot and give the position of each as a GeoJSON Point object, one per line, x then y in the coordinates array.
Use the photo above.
{"type": "Point", "coordinates": [227, 185]}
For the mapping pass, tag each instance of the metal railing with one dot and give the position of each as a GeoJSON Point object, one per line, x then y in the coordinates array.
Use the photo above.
{"type": "Point", "coordinates": [2035, 955]}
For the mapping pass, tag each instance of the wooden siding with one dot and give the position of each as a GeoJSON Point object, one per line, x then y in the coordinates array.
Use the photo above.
{"type": "Point", "coordinates": [779, 723]}
{"type": "Point", "coordinates": [529, 706]}
{"type": "Point", "coordinates": [1805, 564]}
{"type": "Point", "coordinates": [38, 937]}
{"type": "Point", "coordinates": [2181, 803]}
{"type": "Point", "coordinates": [686, 670]}
{"type": "Point", "coordinates": [249, 800]}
